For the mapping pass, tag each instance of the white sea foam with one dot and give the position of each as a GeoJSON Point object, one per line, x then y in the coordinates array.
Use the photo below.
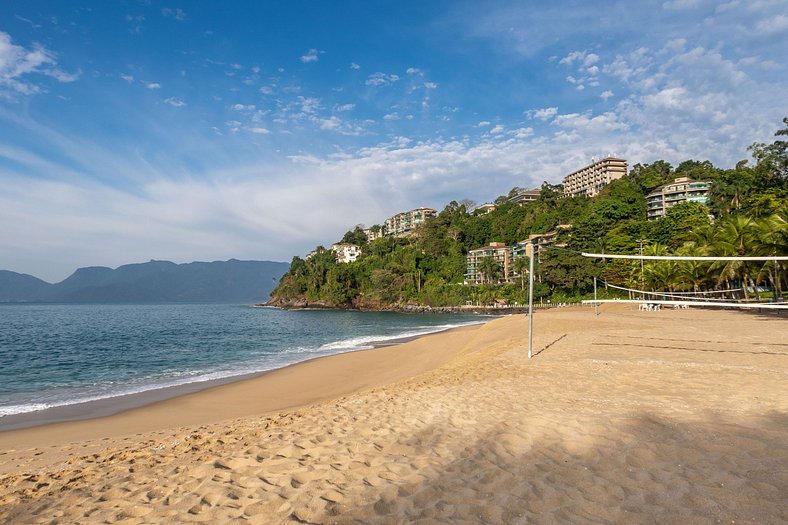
{"type": "Point", "coordinates": [365, 342]}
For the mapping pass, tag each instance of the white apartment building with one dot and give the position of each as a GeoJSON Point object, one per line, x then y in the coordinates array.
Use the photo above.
{"type": "Point", "coordinates": [591, 179]}
{"type": "Point", "coordinates": [346, 252]}
{"type": "Point", "coordinates": [403, 224]}
{"type": "Point", "coordinates": [683, 189]}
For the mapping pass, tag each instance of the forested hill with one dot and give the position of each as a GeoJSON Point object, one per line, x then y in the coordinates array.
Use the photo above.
{"type": "Point", "coordinates": [747, 214]}
{"type": "Point", "coordinates": [151, 282]}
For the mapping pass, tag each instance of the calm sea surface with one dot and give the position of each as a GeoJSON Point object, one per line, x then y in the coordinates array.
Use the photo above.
{"type": "Point", "coordinates": [57, 355]}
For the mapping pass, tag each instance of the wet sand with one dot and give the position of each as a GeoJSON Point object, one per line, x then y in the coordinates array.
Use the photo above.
{"type": "Point", "coordinates": [628, 417]}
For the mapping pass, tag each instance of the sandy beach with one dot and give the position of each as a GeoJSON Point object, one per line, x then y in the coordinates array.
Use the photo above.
{"type": "Point", "coordinates": [626, 417]}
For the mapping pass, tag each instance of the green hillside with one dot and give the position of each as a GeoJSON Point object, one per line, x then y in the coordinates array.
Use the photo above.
{"type": "Point", "coordinates": [746, 214]}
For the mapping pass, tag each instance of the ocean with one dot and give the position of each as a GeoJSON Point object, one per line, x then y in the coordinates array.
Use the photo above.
{"type": "Point", "coordinates": [59, 355]}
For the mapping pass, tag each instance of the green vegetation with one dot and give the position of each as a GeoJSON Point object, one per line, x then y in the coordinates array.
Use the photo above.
{"type": "Point", "coordinates": [747, 214]}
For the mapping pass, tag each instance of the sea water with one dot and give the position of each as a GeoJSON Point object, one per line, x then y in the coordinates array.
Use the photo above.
{"type": "Point", "coordinates": [54, 355]}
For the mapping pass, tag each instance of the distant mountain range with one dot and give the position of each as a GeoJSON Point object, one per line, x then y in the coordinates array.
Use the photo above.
{"type": "Point", "coordinates": [151, 282]}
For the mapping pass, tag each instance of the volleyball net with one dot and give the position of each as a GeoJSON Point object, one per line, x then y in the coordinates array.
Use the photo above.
{"type": "Point", "coordinates": [705, 298]}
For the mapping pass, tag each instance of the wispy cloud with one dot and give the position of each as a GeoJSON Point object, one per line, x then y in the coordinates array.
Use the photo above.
{"type": "Point", "coordinates": [18, 64]}
{"type": "Point", "coordinates": [151, 85]}
{"type": "Point", "coordinates": [381, 79]}
{"type": "Point", "coordinates": [310, 56]}
{"type": "Point", "coordinates": [175, 102]}
{"type": "Point", "coordinates": [176, 13]}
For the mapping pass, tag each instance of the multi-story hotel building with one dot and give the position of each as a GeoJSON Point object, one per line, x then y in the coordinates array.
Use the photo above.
{"type": "Point", "coordinates": [404, 223]}
{"type": "Point", "coordinates": [497, 250]}
{"type": "Point", "coordinates": [505, 255]}
{"type": "Point", "coordinates": [589, 180]}
{"type": "Point", "coordinates": [683, 189]}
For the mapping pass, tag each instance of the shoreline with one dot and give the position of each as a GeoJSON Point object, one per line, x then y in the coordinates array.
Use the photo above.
{"type": "Point", "coordinates": [117, 404]}
{"type": "Point", "coordinates": [79, 420]}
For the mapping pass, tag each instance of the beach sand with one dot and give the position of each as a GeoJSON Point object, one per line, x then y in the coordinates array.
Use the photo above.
{"type": "Point", "coordinates": [626, 417]}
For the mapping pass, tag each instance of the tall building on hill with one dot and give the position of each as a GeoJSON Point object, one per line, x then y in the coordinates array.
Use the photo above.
{"type": "Point", "coordinates": [591, 179]}
{"type": "Point", "coordinates": [683, 189]}
{"type": "Point", "coordinates": [404, 223]}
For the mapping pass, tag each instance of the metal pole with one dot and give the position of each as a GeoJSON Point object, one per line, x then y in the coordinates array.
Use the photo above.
{"type": "Point", "coordinates": [596, 304]}
{"type": "Point", "coordinates": [531, 302]}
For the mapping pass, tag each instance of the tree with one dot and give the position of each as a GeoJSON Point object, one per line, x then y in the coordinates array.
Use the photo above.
{"type": "Point", "coordinates": [734, 237]}
{"type": "Point", "coordinates": [356, 236]}
{"type": "Point", "coordinates": [772, 159]}
{"type": "Point", "coordinates": [520, 266]}
{"type": "Point", "coordinates": [490, 269]}
{"type": "Point", "coordinates": [567, 271]}
{"type": "Point", "coordinates": [649, 176]}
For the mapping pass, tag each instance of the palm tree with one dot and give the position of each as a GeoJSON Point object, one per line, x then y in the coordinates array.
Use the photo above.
{"type": "Point", "coordinates": [693, 273]}
{"type": "Point", "coordinates": [654, 271]}
{"type": "Point", "coordinates": [520, 266]}
{"type": "Point", "coordinates": [734, 238]}
{"type": "Point", "coordinates": [489, 268]}
{"type": "Point", "coordinates": [770, 237]}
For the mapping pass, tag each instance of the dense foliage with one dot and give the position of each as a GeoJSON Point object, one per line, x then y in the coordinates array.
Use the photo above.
{"type": "Point", "coordinates": [747, 214]}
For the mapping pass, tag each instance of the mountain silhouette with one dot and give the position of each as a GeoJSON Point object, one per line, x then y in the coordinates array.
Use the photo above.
{"type": "Point", "coordinates": [151, 282]}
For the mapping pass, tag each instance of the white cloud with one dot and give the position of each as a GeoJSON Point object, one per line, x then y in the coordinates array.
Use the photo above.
{"type": "Point", "coordinates": [243, 107]}
{"type": "Point", "coordinates": [353, 65]}
{"type": "Point", "coordinates": [483, 123]}
{"type": "Point", "coordinates": [606, 95]}
{"type": "Point", "coordinates": [413, 71]}
{"type": "Point", "coordinates": [152, 85]}
{"type": "Point", "coordinates": [266, 90]}
{"type": "Point", "coordinates": [572, 57]}
{"type": "Point", "coordinates": [310, 56]}
{"type": "Point", "coordinates": [391, 116]}
{"type": "Point", "coordinates": [542, 114]}
{"type": "Point", "coordinates": [345, 107]}
{"type": "Point", "coordinates": [17, 64]}
{"type": "Point", "coordinates": [683, 4]}
{"type": "Point", "coordinates": [175, 102]}
{"type": "Point", "coordinates": [591, 59]}
{"type": "Point", "coordinates": [309, 105]}
{"type": "Point", "coordinates": [127, 78]}
{"type": "Point", "coordinates": [381, 79]}
{"type": "Point", "coordinates": [259, 131]}
{"type": "Point", "coordinates": [332, 123]}
{"type": "Point", "coordinates": [773, 24]}
{"type": "Point", "coordinates": [497, 129]}
{"type": "Point", "coordinates": [522, 133]}
{"type": "Point", "coordinates": [176, 13]}
{"type": "Point", "coordinates": [431, 85]}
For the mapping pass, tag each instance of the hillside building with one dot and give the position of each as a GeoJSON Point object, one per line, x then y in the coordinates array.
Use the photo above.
{"type": "Point", "coordinates": [346, 252]}
{"type": "Point", "coordinates": [501, 253]}
{"type": "Point", "coordinates": [591, 179]}
{"type": "Point", "coordinates": [403, 224]}
{"type": "Point", "coordinates": [373, 233]}
{"type": "Point", "coordinates": [523, 196]}
{"type": "Point", "coordinates": [683, 189]}
{"type": "Point", "coordinates": [506, 255]}
{"type": "Point", "coordinates": [485, 208]}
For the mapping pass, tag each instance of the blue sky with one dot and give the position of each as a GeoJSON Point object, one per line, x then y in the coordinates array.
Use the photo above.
{"type": "Point", "coordinates": [137, 130]}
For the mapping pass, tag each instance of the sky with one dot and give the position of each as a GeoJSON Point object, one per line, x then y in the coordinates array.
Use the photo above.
{"type": "Point", "coordinates": [137, 130]}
